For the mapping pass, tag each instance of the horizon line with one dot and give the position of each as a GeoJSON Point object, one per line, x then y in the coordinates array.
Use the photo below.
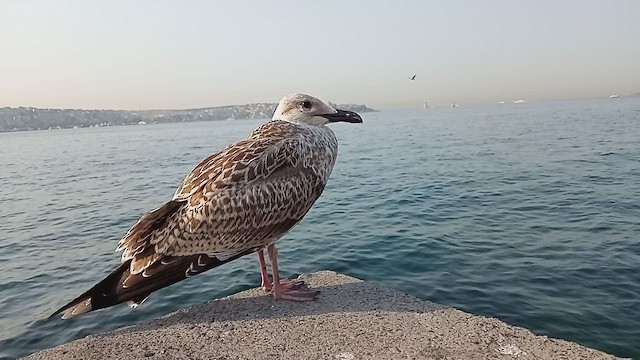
{"type": "Point", "coordinates": [637, 94]}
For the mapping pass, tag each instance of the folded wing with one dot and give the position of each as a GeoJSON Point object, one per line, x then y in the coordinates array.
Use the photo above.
{"type": "Point", "coordinates": [233, 203]}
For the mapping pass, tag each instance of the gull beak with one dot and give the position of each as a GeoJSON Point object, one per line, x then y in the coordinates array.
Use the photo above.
{"type": "Point", "coordinates": [343, 115]}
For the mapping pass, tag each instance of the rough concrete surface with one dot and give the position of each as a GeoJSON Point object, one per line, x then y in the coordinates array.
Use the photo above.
{"type": "Point", "coordinates": [351, 319]}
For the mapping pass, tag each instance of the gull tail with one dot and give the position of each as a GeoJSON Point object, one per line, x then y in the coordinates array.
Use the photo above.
{"type": "Point", "coordinates": [122, 286]}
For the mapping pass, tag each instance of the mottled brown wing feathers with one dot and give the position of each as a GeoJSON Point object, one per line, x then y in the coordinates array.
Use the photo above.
{"type": "Point", "coordinates": [207, 169]}
{"type": "Point", "coordinates": [206, 197]}
{"type": "Point", "coordinates": [136, 241]}
{"type": "Point", "coordinates": [239, 164]}
{"type": "Point", "coordinates": [234, 163]}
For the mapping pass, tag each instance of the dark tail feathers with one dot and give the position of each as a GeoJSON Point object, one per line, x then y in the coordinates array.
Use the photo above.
{"type": "Point", "coordinates": [121, 286]}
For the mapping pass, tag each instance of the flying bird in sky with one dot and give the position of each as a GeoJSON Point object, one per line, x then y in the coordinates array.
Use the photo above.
{"type": "Point", "coordinates": [412, 77]}
{"type": "Point", "coordinates": [235, 202]}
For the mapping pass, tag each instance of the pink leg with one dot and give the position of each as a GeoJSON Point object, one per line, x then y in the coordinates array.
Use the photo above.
{"type": "Point", "coordinates": [285, 288]}
{"type": "Point", "coordinates": [266, 283]}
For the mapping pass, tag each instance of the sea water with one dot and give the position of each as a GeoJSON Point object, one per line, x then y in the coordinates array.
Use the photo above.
{"type": "Point", "coordinates": [528, 213]}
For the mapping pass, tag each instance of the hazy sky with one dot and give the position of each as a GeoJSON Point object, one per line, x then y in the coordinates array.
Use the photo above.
{"type": "Point", "coordinates": [184, 54]}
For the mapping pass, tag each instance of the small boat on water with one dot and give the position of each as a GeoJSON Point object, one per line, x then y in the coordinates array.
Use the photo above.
{"type": "Point", "coordinates": [520, 101]}
{"type": "Point", "coordinates": [427, 106]}
{"type": "Point", "coordinates": [454, 105]}
{"type": "Point", "coordinates": [614, 96]}
{"type": "Point", "coordinates": [501, 102]}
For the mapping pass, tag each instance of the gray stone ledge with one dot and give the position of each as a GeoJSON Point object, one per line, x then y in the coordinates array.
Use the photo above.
{"type": "Point", "coordinates": [351, 319]}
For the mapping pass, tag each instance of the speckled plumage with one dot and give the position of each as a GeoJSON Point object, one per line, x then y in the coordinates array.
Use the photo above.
{"type": "Point", "coordinates": [243, 197]}
{"type": "Point", "coordinates": [235, 202]}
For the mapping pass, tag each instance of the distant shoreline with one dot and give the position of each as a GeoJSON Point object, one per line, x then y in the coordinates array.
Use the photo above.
{"type": "Point", "coordinates": [32, 119]}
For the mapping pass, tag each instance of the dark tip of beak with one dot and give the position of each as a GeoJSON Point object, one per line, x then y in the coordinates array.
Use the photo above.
{"type": "Point", "coordinates": [344, 115]}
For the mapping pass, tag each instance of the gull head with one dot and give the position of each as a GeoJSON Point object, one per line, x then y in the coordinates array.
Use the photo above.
{"type": "Point", "coordinates": [301, 108]}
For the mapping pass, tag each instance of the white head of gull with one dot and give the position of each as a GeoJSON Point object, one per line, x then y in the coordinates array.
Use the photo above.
{"type": "Point", "coordinates": [305, 109]}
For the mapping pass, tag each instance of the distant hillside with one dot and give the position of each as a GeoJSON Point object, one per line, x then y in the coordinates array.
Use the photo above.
{"type": "Point", "coordinates": [27, 118]}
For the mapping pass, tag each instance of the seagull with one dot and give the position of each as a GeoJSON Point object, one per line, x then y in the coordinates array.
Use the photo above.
{"type": "Point", "coordinates": [412, 77]}
{"type": "Point", "coordinates": [236, 202]}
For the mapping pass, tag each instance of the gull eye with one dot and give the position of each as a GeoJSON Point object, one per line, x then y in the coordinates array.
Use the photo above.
{"type": "Point", "coordinates": [307, 105]}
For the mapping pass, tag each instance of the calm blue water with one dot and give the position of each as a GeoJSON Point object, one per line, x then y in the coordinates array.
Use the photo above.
{"type": "Point", "coordinates": [527, 213]}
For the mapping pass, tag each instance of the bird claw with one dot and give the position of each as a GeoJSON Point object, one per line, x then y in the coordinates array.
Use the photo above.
{"type": "Point", "coordinates": [285, 284]}
{"type": "Point", "coordinates": [292, 284]}
{"type": "Point", "coordinates": [291, 289]}
{"type": "Point", "coordinates": [296, 295]}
